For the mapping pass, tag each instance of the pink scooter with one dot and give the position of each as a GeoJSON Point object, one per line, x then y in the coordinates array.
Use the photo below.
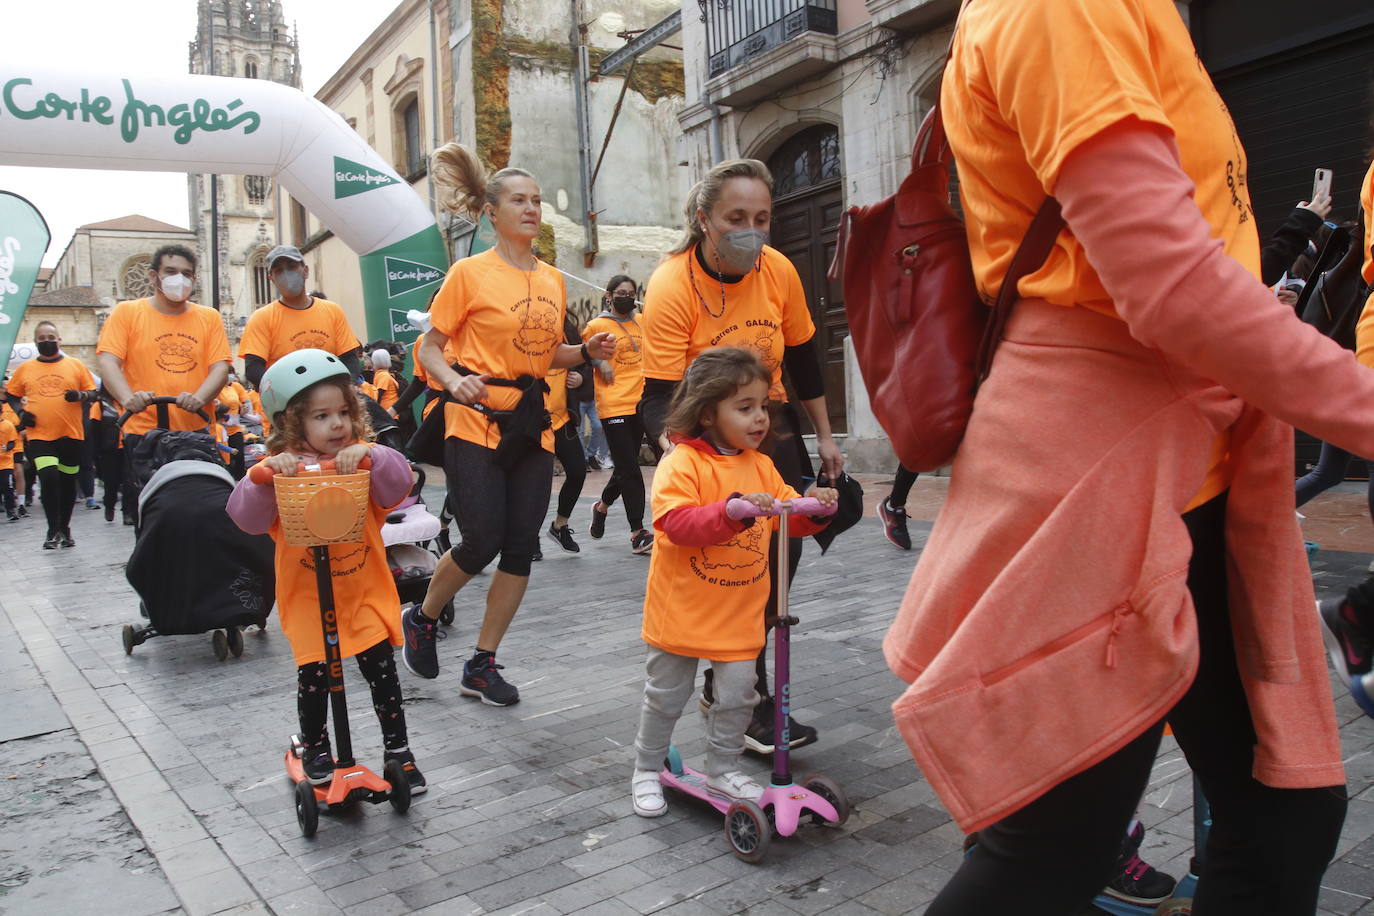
{"type": "Point", "coordinates": [750, 825]}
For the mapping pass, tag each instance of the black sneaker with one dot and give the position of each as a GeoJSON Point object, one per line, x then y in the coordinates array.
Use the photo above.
{"type": "Point", "coordinates": [482, 679]}
{"type": "Point", "coordinates": [130, 519]}
{"type": "Point", "coordinates": [14, 517]}
{"type": "Point", "coordinates": [318, 764]}
{"type": "Point", "coordinates": [641, 542]}
{"type": "Point", "coordinates": [22, 511]}
{"type": "Point", "coordinates": [1137, 881]}
{"type": "Point", "coordinates": [564, 538]}
{"type": "Point", "coordinates": [52, 541]}
{"type": "Point", "coordinates": [418, 786]}
{"type": "Point", "coordinates": [894, 525]}
{"type": "Point", "coordinates": [758, 737]}
{"type": "Point", "coordinates": [109, 512]}
{"type": "Point", "coordinates": [418, 652]}
{"type": "Point", "coordinates": [66, 539]}
{"type": "Point", "coordinates": [1345, 638]}
{"type": "Point", "coordinates": [598, 525]}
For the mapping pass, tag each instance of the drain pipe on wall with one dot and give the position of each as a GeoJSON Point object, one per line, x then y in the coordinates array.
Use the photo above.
{"type": "Point", "coordinates": [581, 76]}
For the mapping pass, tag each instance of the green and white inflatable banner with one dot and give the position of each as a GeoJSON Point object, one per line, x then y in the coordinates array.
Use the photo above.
{"type": "Point", "coordinates": [212, 124]}
{"type": "Point", "coordinates": [24, 236]}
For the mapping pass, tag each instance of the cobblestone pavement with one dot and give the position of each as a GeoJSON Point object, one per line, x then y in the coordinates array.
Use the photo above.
{"type": "Point", "coordinates": [179, 755]}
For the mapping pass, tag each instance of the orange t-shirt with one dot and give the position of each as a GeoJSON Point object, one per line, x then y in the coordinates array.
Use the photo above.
{"type": "Point", "coordinates": [7, 413]}
{"type": "Point", "coordinates": [8, 434]}
{"type": "Point", "coordinates": [388, 391]}
{"type": "Point", "coordinates": [276, 330]}
{"type": "Point", "coordinates": [44, 385]}
{"type": "Point", "coordinates": [231, 399]}
{"type": "Point", "coordinates": [369, 608]}
{"type": "Point", "coordinates": [368, 389]}
{"type": "Point", "coordinates": [684, 314]}
{"type": "Point", "coordinates": [1367, 203]}
{"type": "Point", "coordinates": [620, 398]}
{"type": "Point", "coordinates": [164, 354]}
{"type": "Point", "coordinates": [1119, 60]}
{"type": "Point", "coordinates": [556, 399]}
{"type": "Point", "coordinates": [708, 602]}
{"type": "Point", "coordinates": [1129, 59]}
{"type": "Point", "coordinates": [502, 321]}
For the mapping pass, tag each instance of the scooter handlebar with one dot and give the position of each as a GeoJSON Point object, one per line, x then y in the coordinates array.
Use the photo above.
{"type": "Point", "coordinates": [740, 509]}
{"type": "Point", "coordinates": [262, 473]}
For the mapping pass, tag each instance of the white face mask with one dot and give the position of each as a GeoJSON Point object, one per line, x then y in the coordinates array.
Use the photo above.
{"type": "Point", "coordinates": [176, 287]}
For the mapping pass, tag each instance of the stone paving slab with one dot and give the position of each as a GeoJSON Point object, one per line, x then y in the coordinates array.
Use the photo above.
{"type": "Point", "coordinates": [528, 810]}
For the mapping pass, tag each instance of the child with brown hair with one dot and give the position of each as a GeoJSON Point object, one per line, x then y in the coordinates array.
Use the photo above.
{"type": "Point", "coordinates": [317, 416]}
{"type": "Point", "coordinates": [709, 571]}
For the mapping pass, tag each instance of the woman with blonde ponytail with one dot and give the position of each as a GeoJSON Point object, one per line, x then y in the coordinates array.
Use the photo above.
{"type": "Point", "coordinates": [723, 286]}
{"type": "Point", "coordinates": [500, 314]}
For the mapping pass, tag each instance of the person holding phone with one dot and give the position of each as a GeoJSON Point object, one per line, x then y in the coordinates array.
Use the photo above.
{"type": "Point", "coordinates": [1296, 232]}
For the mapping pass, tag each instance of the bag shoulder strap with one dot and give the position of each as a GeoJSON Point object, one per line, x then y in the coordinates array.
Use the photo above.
{"type": "Point", "coordinates": [1030, 256]}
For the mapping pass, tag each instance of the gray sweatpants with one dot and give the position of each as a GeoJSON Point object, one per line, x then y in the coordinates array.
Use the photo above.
{"type": "Point", "coordinates": [668, 685]}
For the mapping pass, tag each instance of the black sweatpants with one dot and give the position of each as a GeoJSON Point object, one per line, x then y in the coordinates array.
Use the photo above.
{"type": "Point", "coordinates": [498, 510]}
{"type": "Point", "coordinates": [623, 436]}
{"type": "Point", "coordinates": [378, 667]}
{"type": "Point", "coordinates": [109, 464]}
{"type": "Point", "coordinates": [236, 460]}
{"type": "Point", "coordinates": [567, 448]}
{"type": "Point", "coordinates": [58, 463]}
{"type": "Point", "coordinates": [1267, 849]}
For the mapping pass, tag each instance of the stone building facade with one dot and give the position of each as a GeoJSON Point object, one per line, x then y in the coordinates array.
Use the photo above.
{"type": "Point", "coordinates": [501, 77]}
{"type": "Point", "coordinates": [248, 39]}
{"type": "Point", "coordinates": [103, 263]}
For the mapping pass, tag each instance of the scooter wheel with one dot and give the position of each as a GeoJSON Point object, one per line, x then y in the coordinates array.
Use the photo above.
{"type": "Point", "coordinates": [399, 796]}
{"type": "Point", "coordinates": [220, 643]}
{"type": "Point", "coordinates": [307, 809]}
{"type": "Point", "coordinates": [829, 790]}
{"type": "Point", "coordinates": [673, 762]}
{"type": "Point", "coordinates": [747, 831]}
{"type": "Point", "coordinates": [447, 614]}
{"type": "Point", "coordinates": [235, 637]}
{"type": "Point", "coordinates": [130, 639]}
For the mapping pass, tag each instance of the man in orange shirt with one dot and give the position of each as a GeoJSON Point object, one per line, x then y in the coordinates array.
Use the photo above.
{"type": "Point", "coordinates": [53, 387]}
{"type": "Point", "coordinates": [9, 441]}
{"type": "Point", "coordinates": [297, 320]}
{"type": "Point", "coordinates": [164, 346]}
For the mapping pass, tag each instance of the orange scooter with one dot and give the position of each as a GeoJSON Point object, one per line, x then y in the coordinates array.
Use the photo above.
{"type": "Point", "coordinates": [317, 508]}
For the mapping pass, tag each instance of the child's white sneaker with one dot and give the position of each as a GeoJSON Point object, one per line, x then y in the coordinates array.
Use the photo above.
{"type": "Point", "coordinates": [736, 785]}
{"type": "Point", "coordinates": [647, 794]}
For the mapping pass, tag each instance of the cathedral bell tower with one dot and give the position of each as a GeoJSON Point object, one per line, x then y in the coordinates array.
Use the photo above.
{"type": "Point", "coordinates": [247, 39]}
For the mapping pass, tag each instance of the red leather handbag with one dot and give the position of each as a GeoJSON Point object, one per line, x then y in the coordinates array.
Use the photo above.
{"type": "Point", "coordinates": [923, 338]}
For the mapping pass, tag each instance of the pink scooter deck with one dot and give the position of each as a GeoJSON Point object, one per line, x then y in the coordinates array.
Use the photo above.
{"type": "Point", "coordinates": [788, 803]}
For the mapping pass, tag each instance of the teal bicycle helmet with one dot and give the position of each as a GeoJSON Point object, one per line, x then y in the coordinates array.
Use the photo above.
{"type": "Point", "coordinates": [294, 373]}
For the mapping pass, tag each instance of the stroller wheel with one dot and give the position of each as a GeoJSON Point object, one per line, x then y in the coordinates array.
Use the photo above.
{"type": "Point", "coordinates": [235, 636]}
{"type": "Point", "coordinates": [220, 643]}
{"type": "Point", "coordinates": [446, 615]}
{"type": "Point", "coordinates": [130, 639]}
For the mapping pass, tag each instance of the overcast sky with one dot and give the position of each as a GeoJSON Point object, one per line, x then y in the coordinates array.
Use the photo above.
{"type": "Point", "coordinates": [153, 37]}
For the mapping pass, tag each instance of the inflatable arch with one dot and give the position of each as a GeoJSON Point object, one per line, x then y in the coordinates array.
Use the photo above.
{"type": "Point", "coordinates": [213, 124]}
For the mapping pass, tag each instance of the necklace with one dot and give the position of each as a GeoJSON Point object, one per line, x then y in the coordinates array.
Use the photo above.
{"type": "Point", "coordinates": [692, 279]}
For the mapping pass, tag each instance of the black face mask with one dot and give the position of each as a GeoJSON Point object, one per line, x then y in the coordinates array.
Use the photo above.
{"type": "Point", "coordinates": [47, 348]}
{"type": "Point", "coordinates": [623, 304]}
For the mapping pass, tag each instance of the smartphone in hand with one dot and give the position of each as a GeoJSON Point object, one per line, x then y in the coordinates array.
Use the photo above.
{"type": "Point", "coordinates": [1321, 184]}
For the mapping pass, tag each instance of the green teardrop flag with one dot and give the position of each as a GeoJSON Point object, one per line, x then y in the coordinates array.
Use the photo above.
{"type": "Point", "coordinates": [24, 237]}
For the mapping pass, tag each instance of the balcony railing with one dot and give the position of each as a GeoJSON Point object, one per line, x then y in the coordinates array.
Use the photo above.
{"type": "Point", "coordinates": [737, 30]}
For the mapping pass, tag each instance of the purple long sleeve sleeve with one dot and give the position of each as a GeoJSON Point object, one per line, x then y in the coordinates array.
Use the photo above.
{"type": "Point", "coordinates": [253, 507]}
{"type": "Point", "coordinates": [391, 476]}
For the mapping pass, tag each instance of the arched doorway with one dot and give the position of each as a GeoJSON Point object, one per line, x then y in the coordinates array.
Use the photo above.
{"type": "Point", "coordinates": [808, 199]}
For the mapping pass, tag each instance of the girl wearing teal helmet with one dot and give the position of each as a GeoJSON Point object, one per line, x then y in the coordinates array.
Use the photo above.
{"type": "Point", "coordinates": [316, 415]}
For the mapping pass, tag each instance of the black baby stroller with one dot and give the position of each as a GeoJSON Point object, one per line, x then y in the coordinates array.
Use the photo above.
{"type": "Point", "coordinates": [193, 568]}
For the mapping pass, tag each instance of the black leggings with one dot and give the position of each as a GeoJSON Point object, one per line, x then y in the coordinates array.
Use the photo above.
{"type": "Point", "coordinates": [58, 462]}
{"type": "Point", "coordinates": [110, 466]}
{"type": "Point", "coordinates": [378, 667]}
{"type": "Point", "coordinates": [623, 436]}
{"type": "Point", "coordinates": [498, 509]}
{"type": "Point", "coordinates": [236, 459]}
{"type": "Point", "coordinates": [1267, 849]}
{"type": "Point", "coordinates": [567, 448]}
{"type": "Point", "coordinates": [901, 487]}
{"type": "Point", "coordinates": [7, 490]}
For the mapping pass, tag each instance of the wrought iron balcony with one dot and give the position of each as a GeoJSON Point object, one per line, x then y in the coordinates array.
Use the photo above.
{"type": "Point", "coordinates": [738, 30]}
